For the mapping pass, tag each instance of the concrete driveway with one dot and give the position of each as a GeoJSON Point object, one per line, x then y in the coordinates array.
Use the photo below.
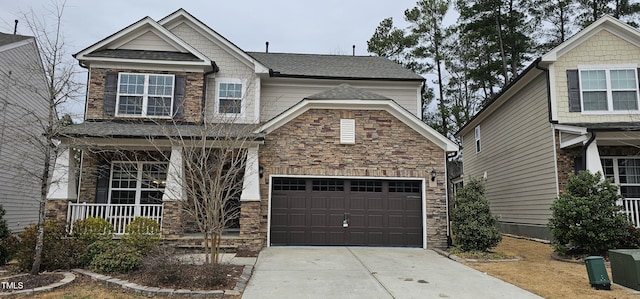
{"type": "Point", "coordinates": [356, 272]}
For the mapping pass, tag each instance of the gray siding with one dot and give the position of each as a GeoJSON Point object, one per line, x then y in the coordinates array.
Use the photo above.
{"type": "Point", "coordinates": [517, 153]}
{"type": "Point", "coordinates": [22, 103]}
{"type": "Point", "coordinates": [280, 94]}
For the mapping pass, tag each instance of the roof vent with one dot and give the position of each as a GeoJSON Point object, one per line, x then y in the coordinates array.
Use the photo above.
{"type": "Point", "coordinates": [354, 50]}
{"type": "Point", "coordinates": [266, 47]}
{"type": "Point", "coordinates": [15, 28]}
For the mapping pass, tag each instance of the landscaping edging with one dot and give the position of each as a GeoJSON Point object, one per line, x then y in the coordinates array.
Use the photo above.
{"type": "Point", "coordinates": [462, 260]}
{"type": "Point", "coordinates": [153, 291]}
{"type": "Point", "coordinates": [68, 277]}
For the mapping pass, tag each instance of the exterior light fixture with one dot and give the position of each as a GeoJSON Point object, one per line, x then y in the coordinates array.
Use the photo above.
{"type": "Point", "coordinates": [433, 174]}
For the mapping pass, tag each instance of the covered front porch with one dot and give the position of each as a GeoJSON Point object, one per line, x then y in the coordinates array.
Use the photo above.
{"type": "Point", "coordinates": [120, 179]}
{"type": "Point", "coordinates": [611, 149]}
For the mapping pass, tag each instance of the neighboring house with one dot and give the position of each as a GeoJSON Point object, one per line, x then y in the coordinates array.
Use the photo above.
{"type": "Point", "coordinates": [574, 108]}
{"type": "Point", "coordinates": [337, 155]}
{"type": "Point", "coordinates": [23, 103]}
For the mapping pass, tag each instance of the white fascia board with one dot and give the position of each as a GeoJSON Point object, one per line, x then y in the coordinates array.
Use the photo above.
{"type": "Point", "coordinates": [553, 97]}
{"type": "Point", "coordinates": [608, 23]}
{"type": "Point", "coordinates": [388, 105]}
{"type": "Point", "coordinates": [121, 61]}
{"type": "Point", "coordinates": [122, 37]}
{"type": "Point", "coordinates": [571, 129]}
{"type": "Point", "coordinates": [213, 36]}
{"type": "Point", "coordinates": [17, 44]}
{"type": "Point", "coordinates": [154, 66]}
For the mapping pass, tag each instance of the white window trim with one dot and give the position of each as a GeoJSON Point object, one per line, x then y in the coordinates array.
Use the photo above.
{"type": "Point", "coordinates": [616, 171]}
{"type": "Point", "coordinates": [347, 131]}
{"type": "Point", "coordinates": [138, 188]}
{"type": "Point", "coordinates": [145, 96]}
{"type": "Point", "coordinates": [478, 142]}
{"type": "Point", "coordinates": [607, 69]}
{"type": "Point", "coordinates": [218, 81]}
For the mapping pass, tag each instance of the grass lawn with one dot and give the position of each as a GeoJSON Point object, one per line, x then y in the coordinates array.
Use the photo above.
{"type": "Point", "coordinates": [540, 274]}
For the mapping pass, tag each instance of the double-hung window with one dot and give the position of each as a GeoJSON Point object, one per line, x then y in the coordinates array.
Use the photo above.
{"type": "Point", "coordinates": [611, 89]}
{"type": "Point", "coordinates": [145, 95]}
{"type": "Point", "coordinates": [137, 182]}
{"type": "Point", "coordinates": [624, 172]}
{"type": "Point", "coordinates": [229, 97]}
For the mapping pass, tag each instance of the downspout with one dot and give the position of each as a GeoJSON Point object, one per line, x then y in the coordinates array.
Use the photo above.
{"type": "Point", "coordinates": [585, 147]}
{"type": "Point", "coordinates": [546, 71]}
{"type": "Point", "coordinates": [447, 181]}
{"type": "Point", "coordinates": [86, 92]}
{"type": "Point", "coordinates": [214, 69]}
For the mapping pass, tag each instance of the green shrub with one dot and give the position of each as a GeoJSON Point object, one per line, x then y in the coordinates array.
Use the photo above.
{"type": "Point", "coordinates": [586, 219]}
{"type": "Point", "coordinates": [92, 250]}
{"type": "Point", "coordinates": [58, 252]}
{"type": "Point", "coordinates": [632, 241]}
{"type": "Point", "coordinates": [142, 234]}
{"type": "Point", "coordinates": [474, 228]}
{"type": "Point", "coordinates": [6, 251]}
{"type": "Point", "coordinates": [91, 230]}
{"type": "Point", "coordinates": [117, 259]}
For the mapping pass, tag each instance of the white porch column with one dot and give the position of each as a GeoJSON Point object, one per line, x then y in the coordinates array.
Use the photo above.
{"type": "Point", "coordinates": [593, 159]}
{"type": "Point", "coordinates": [63, 178]}
{"type": "Point", "coordinates": [251, 183]}
{"type": "Point", "coordinates": [174, 188]}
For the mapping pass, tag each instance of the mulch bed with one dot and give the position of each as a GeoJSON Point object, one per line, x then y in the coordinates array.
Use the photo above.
{"type": "Point", "coordinates": [194, 277]}
{"type": "Point", "coordinates": [12, 279]}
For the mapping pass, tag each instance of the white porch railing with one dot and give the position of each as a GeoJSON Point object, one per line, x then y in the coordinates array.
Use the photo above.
{"type": "Point", "coordinates": [118, 215]}
{"type": "Point", "coordinates": [632, 209]}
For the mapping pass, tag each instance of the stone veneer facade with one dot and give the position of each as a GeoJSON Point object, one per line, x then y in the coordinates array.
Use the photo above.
{"type": "Point", "coordinates": [192, 101]}
{"type": "Point", "coordinates": [309, 145]}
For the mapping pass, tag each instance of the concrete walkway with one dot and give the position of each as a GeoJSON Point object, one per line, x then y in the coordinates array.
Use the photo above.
{"type": "Point", "coordinates": [355, 272]}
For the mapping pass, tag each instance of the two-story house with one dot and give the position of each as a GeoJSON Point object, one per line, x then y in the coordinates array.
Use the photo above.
{"type": "Point", "coordinates": [337, 154]}
{"type": "Point", "coordinates": [24, 106]}
{"type": "Point", "coordinates": [574, 108]}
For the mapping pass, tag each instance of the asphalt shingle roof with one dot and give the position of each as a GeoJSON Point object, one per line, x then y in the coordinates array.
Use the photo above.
{"type": "Point", "coordinates": [346, 92]}
{"type": "Point", "coordinates": [153, 130]}
{"type": "Point", "coordinates": [149, 55]}
{"type": "Point", "coordinates": [334, 66]}
{"type": "Point", "coordinates": [6, 39]}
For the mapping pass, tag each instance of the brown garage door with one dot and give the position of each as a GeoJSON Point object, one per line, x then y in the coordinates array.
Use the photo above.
{"type": "Point", "coordinates": [346, 212]}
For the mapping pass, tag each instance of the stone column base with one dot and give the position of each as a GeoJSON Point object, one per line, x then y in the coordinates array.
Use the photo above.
{"type": "Point", "coordinates": [172, 217]}
{"type": "Point", "coordinates": [250, 229]}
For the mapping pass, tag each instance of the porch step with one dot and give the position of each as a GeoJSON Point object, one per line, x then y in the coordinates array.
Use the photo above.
{"type": "Point", "coordinates": [189, 243]}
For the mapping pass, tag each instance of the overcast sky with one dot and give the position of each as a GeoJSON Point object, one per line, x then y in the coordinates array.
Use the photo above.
{"type": "Point", "coordinates": [320, 27]}
{"type": "Point", "coordinates": [290, 26]}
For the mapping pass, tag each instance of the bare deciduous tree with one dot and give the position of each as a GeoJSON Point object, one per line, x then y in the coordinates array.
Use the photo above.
{"type": "Point", "coordinates": [59, 74]}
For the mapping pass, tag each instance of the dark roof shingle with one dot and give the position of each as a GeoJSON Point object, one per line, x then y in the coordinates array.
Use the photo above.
{"type": "Point", "coordinates": [334, 66]}
{"type": "Point", "coordinates": [6, 39]}
{"type": "Point", "coordinates": [141, 54]}
{"type": "Point", "coordinates": [346, 92]}
{"type": "Point", "coordinates": [109, 129]}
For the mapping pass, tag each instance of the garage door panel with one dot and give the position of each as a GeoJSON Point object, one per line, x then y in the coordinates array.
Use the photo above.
{"type": "Point", "coordinates": [380, 213]}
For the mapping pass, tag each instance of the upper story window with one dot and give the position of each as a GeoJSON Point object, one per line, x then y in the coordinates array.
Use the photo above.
{"type": "Point", "coordinates": [146, 95]}
{"type": "Point", "coordinates": [229, 97]}
{"type": "Point", "coordinates": [601, 89]}
{"type": "Point", "coordinates": [477, 132]}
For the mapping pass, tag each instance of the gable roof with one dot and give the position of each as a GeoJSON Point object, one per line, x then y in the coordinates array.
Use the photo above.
{"type": "Point", "coordinates": [607, 23]}
{"type": "Point", "coordinates": [334, 67]}
{"type": "Point", "coordinates": [179, 16]}
{"type": "Point", "coordinates": [361, 100]}
{"type": "Point", "coordinates": [108, 48]}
